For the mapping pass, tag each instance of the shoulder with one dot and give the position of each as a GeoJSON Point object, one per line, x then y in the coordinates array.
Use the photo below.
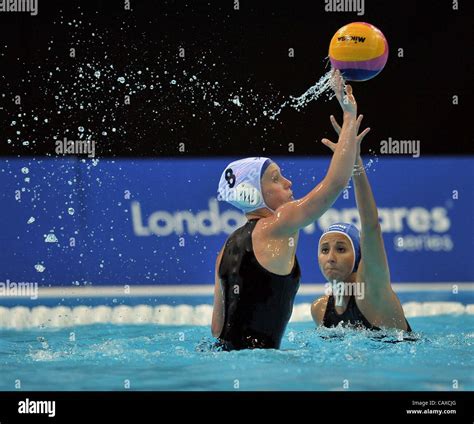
{"type": "Point", "coordinates": [266, 229]}
{"type": "Point", "coordinates": [318, 309]}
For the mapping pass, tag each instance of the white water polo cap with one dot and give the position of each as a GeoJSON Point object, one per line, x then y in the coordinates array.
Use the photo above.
{"type": "Point", "coordinates": [240, 183]}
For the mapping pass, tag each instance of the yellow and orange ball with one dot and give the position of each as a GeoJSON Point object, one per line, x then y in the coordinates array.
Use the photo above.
{"type": "Point", "coordinates": [359, 50]}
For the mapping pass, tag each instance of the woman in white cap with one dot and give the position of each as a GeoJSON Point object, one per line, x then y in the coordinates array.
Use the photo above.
{"type": "Point", "coordinates": [257, 273]}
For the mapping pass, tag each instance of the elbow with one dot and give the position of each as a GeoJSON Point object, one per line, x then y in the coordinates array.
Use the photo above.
{"type": "Point", "coordinates": [340, 186]}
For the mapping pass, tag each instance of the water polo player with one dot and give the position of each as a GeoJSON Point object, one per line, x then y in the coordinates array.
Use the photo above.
{"type": "Point", "coordinates": [356, 267]}
{"type": "Point", "coordinates": [257, 274]}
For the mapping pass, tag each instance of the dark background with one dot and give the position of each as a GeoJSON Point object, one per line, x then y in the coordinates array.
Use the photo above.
{"type": "Point", "coordinates": [246, 53]}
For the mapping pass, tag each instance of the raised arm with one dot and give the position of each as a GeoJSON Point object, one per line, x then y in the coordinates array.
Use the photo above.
{"type": "Point", "coordinates": [292, 216]}
{"type": "Point", "coordinates": [374, 265]}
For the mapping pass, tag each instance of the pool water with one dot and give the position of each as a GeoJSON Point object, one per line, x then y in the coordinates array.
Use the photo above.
{"type": "Point", "coordinates": [437, 356]}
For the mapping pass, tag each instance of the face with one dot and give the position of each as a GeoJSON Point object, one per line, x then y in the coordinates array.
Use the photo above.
{"type": "Point", "coordinates": [275, 187]}
{"type": "Point", "coordinates": [335, 257]}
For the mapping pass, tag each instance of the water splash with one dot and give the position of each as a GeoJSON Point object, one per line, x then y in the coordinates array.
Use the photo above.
{"type": "Point", "coordinates": [370, 164]}
{"type": "Point", "coordinates": [312, 93]}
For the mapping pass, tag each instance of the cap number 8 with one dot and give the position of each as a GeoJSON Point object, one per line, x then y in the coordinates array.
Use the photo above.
{"type": "Point", "coordinates": [230, 177]}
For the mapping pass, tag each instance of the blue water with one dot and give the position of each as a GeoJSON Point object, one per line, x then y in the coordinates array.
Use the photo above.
{"type": "Point", "coordinates": [153, 357]}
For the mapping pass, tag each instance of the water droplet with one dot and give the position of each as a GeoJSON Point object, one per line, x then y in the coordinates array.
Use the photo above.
{"type": "Point", "coordinates": [70, 211]}
{"type": "Point", "coordinates": [51, 238]}
{"type": "Point", "coordinates": [173, 82]}
{"type": "Point", "coordinates": [97, 74]}
{"type": "Point", "coordinates": [121, 80]}
{"type": "Point", "coordinates": [25, 170]}
{"type": "Point", "coordinates": [40, 268]}
{"type": "Point", "coordinates": [236, 101]}
{"type": "Point", "coordinates": [81, 129]}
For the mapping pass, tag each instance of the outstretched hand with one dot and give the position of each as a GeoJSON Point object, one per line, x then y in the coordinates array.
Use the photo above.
{"type": "Point", "coordinates": [337, 128]}
{"type": "Point", "coordinates": [347, 100]}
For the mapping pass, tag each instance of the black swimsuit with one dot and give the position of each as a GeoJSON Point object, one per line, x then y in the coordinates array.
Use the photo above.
{"type": "Point", "coordinates": [351, 316]}
{"type": "Point", "coordinates": [257, 303]}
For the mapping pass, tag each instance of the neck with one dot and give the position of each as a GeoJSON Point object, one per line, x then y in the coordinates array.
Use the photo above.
{"type": "Point", "coordinates": [259, 213]}
{"type": "Point", "coordinates": [351, 278]}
